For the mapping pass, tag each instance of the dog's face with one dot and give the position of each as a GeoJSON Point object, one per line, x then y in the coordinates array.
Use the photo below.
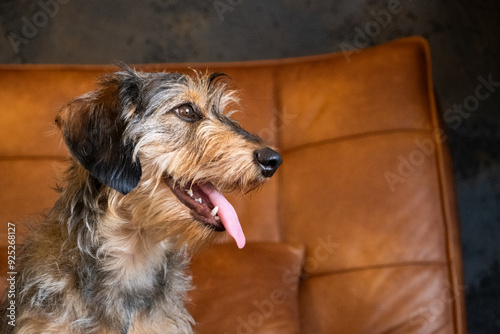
{"type": "Point", "coordinates": [163, 147]}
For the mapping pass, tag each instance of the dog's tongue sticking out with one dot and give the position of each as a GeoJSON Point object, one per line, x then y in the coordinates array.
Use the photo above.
{"type": "Point", "coordinates": [226, 213]}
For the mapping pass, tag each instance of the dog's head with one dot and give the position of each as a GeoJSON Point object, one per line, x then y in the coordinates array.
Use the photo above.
{"type": "Point", "coordinates": [164, 144]}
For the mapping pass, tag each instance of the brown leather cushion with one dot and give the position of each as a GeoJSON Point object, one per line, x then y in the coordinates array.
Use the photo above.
{"type": "Point", "coordinates": [252, 290]}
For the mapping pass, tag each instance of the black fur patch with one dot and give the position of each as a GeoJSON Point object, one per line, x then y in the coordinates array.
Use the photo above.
{"type": "Point", "coordinates": [93, 128]}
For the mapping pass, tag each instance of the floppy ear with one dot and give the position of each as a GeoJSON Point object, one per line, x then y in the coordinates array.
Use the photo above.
{"type": "Point", "coordinates": [93, 128]}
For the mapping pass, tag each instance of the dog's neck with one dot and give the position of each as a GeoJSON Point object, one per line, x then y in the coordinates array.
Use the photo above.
{"type": "Point", "coordinates": [131, 255]}
{"type": "Point", "coordinates": [130, 252]}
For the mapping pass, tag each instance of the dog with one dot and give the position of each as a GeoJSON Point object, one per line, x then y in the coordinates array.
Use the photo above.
{"type": "Point", "coordinates": [151, 155]}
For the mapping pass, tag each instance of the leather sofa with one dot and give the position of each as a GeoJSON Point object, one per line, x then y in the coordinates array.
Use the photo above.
{"type": "Point", "coordinates": [356, 233]}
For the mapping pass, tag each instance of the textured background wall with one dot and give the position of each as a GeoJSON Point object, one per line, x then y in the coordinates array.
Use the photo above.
{"type": "Point", "coordinates": [465, 46]}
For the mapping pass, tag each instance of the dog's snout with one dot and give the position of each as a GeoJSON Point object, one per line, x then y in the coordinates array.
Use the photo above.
{"type": "Point", "coordinates": [268, 160]}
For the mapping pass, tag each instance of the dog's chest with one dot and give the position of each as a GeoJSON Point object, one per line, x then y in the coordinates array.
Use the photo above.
{"type": "Point", "coordinates": [128, 302]}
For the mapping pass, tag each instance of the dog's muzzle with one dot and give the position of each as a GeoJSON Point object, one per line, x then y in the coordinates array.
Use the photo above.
{"type": "Point", "coordinates": [268, 160]}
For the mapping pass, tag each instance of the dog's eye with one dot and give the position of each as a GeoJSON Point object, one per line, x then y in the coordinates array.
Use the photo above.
{"type": "Point", "coordinates": [187, 113]}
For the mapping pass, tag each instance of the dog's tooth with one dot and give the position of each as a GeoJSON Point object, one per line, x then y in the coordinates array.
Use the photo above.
{"type": "Point", "coordinates": [217, 218]}
{"type": "Point", "coordinates": [189, 192]}
{"type": "Point", "coordinates": [198, 200]}
{"type": "Point", "coordinates": [214, 211]}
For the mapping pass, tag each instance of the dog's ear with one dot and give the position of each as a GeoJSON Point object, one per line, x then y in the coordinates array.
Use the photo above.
{"type": "Point", "coordinates": [93, 128]}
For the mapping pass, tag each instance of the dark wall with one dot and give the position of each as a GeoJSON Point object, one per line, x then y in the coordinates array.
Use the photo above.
{"type": "Point", "coordinates": [465, 46]}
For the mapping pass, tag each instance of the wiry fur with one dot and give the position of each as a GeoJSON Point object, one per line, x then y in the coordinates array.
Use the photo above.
{"type": "Point", "coordinates": [110, 257]}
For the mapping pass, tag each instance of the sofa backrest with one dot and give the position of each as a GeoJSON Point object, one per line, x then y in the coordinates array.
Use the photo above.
{"type": "Point", "coordinates": [366, 182]}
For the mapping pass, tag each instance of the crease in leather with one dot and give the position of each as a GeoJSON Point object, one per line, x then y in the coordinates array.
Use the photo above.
{"type": "Point", "coordinates": [354, 136]}
{"type": "Point", "coordinates": [377, 267]}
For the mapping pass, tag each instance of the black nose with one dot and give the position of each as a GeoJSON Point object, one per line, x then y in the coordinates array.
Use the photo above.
{"type": "Point", "coordinates": [268, 160]}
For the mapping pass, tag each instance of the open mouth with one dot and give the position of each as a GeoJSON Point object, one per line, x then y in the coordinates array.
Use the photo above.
{"type": "Point", "coordinates": [208, 206]}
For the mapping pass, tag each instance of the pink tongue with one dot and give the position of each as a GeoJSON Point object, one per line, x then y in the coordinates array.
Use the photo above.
{"type": "Point", "coordinates": [227, 214]}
